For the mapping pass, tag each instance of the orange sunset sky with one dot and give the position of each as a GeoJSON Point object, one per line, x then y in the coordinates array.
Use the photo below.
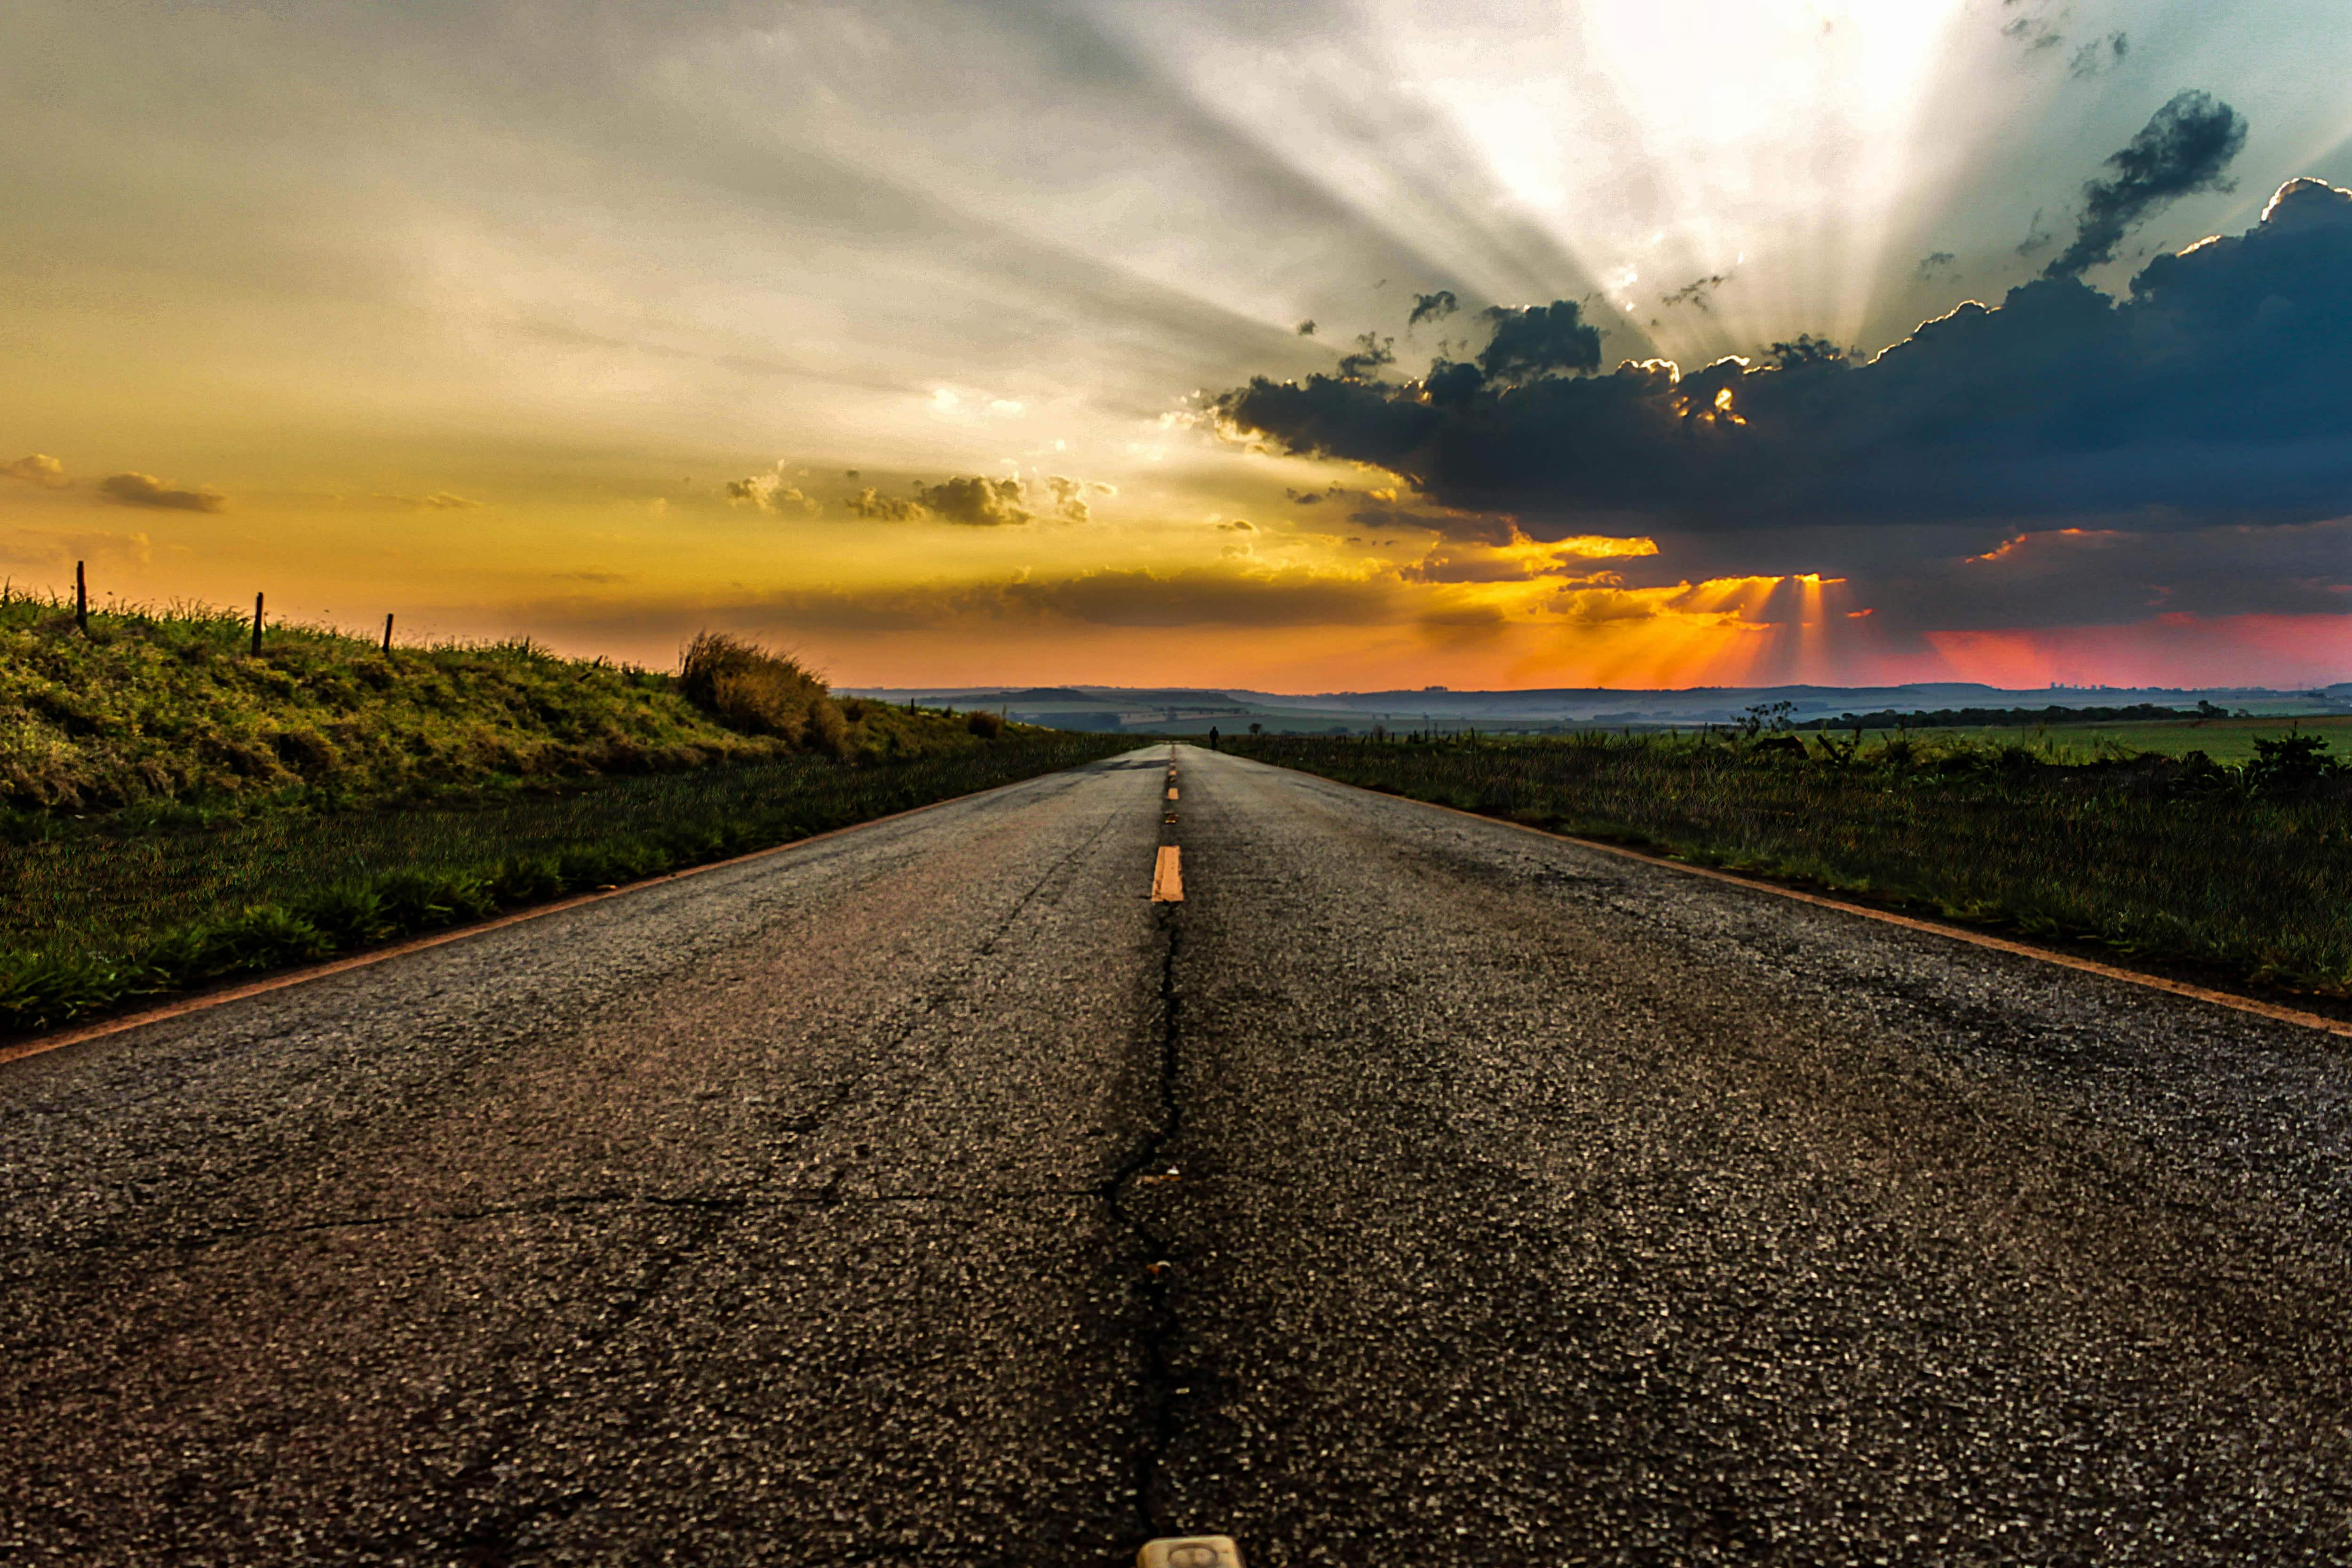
{"type": "Point", "coordinates": [909, 336]}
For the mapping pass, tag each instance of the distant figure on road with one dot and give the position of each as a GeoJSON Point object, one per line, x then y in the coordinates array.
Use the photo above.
{"type": "Point", "coordinates": [1212, 737]}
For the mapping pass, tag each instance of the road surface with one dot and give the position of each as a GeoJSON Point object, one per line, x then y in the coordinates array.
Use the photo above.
{"type": "Point", "coordinates": [1417, 1190]}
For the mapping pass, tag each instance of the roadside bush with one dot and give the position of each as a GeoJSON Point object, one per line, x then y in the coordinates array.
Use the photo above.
{"type": "Point", "coordinates": [751, 689]}
{"type": "Point", "coordinates": [984, 725]}
{"type": "Point", "coordinates": [2291, 766]}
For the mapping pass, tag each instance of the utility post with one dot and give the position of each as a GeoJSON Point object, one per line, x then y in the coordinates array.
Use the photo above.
{"type": "Point", "coordinates": [257, 625]}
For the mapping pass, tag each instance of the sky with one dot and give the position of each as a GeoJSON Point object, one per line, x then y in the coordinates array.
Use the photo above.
{"type": "Point", "coordinates": [1304, 347]}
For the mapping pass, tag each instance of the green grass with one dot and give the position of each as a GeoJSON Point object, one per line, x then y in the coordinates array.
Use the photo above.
{"type": "Point", "coordinates": [169, 712]}
{"type": "Point", "coordinates": [98, 915]}
{"type": "Point", "coordinates": [2148, 857]}
{"type": "Point", "coordinates": [2223, 739]}
{"type": "Point", "coordinates": [176, 809]}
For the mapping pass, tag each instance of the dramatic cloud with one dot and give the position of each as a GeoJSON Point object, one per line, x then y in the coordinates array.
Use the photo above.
{"type": "Point", "coordinates": [2184, 147]}
{"type": "Point", "coordinates": [1431, 308]}
{"type": "Point", "coordinates": [975, 502]}
{"type": "Point", "coordinates": [1537, 340]}
{"type": "Point", "coordinates": [38, 470]}
{"type": "Point", "coordinates": [1372, 353]}
{"type": "Point", "coordinates": [2215, 392]}
{"type": "Point", "coordinates": [146, 490]}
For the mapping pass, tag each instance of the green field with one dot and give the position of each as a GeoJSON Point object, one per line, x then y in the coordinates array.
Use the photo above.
{"type": "Point", "coordinates": [2244, 872]}
{"type": "Point", "coordinates": [2223, 739]}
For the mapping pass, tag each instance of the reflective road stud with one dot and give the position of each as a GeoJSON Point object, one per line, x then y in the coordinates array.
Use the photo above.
{"type": "Point", "coordinates": [1190, 1551]}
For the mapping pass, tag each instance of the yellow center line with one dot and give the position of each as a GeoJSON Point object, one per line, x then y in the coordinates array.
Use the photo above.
{"type": "Point", "coordinates": [1171, 792]}
{"type": "Point", "coordinates": [1168, 877]}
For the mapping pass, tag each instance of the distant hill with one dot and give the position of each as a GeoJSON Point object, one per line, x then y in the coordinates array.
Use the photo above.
{"type": "Point", "coordinates": [1190, 709]}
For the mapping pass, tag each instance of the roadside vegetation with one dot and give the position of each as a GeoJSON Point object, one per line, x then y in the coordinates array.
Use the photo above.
{"type": "Point", "coordinates": [175, 811]}
{"type": "Point", "coordinates": [2244, 870]}
{"type": "Point", "coordinates": [174, 713]}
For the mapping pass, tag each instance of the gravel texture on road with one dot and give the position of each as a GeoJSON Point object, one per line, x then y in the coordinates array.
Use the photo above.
{"type": "Point", "coordinates": [1418, 1189]}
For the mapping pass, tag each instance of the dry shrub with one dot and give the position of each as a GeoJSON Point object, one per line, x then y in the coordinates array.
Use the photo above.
{"type": "Point", "coordinates": [984, 725]}
{"type": "Point", "coordinates": [748, 687]}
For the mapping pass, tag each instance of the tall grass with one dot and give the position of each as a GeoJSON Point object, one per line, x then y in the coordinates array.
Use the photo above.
{"type": "Point", "coordinates": [2247, 870]}
{"type": "Point", "coordinates": [168, 711]}
{"type": "Point", "coordinates": [94, 916]}
{"type": "Point", "coordinates": [749, 687]}
{"type": "Point", "coordinates": [152, 706]}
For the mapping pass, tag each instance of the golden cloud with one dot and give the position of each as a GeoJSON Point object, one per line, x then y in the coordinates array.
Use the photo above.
{"type": "Point", "coordinates": [39, 469]}
{"type": "Point", "coordinates": [146, 490]}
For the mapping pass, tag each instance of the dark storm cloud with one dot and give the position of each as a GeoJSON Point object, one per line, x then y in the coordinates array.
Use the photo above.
{"type": "Point", "coordinates": [1432, 306]}
{"type": "Point", "coordinates": [2215, 392]}
{"type": "Point", "coordinates": [2185, 146]}
{"type": "Point", "coordinates": [1372, 353]}
{"type": "Point", "coordinates": [1537, 340]}
{"type": "Point", "coordinates": [2102, 576]}
{"type": "Point", "coordinates": [146, 490]}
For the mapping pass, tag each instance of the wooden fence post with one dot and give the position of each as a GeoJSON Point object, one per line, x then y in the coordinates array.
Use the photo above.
{"type": "Point", "coordinates": [387, 635]}
{"type": "Point", "coordinates": [257, 625]}
{"type": "Point", "coordinates": [81, 598]}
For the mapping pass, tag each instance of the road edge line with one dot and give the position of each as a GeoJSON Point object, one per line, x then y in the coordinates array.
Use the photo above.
{"type": "Point", "coordinates": [40, 1045]}
{"type": "Point", "coordinates": [2276, 1011]}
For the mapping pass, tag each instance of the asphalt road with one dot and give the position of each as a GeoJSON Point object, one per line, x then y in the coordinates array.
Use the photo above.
{"type": "Point", "coordinates": [1418, 1190]}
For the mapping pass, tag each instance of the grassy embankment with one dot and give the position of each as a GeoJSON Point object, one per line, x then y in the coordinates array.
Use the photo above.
{"type": "Point", "coordinates": [2244, 872]}
{"type": "Point", "coordinates": [173, 811]}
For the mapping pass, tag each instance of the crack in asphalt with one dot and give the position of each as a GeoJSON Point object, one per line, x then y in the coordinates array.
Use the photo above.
{"type": "Point", "coordinates": [490, 1538]}
{"type": "Point", "coordinates": [1158, 1329]}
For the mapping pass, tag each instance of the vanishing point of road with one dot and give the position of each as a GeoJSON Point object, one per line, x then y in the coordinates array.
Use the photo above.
{"type": "Point", "coordinates": [1416, 1190]}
